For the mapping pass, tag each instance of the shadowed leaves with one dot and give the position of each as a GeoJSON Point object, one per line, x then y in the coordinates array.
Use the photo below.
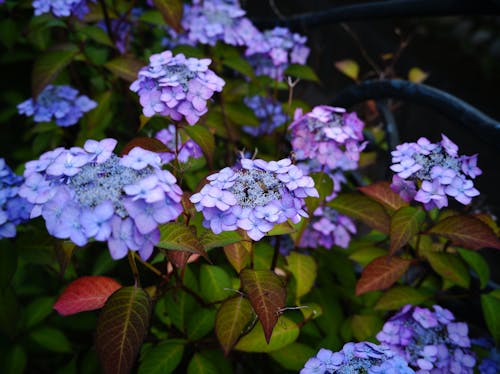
{"type": "Point", "coordinates": [382, 192]}
{"type": "Point", "coordinates": [405, 223]}
{"type": "Point", "coordinates": [232, 318]}
{"type": "Point", "coordinates": [381, 273]}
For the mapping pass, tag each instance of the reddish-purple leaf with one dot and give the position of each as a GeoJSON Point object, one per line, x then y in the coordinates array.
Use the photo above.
{"type": "Point", "coordinates": [171, 10]}
{"type": "Point", "coordinates": [149, 144]}
{"type": "Point", "coordinates": [125, 67]}
{"type": "Point", "coordinates": [466, 231]}
{"type": "Point", "coordinates": [85, 293]}
{"type": "Point", "coordinates": [267, 295]}
{"type": "Point", "coordinates": [232, 318]}
{"type": "Point", "coordinates": [121, 329]}
{"type": "Point", "coordinates": [405, 223]}
{"type": "Point", "coordinates": [179, 237]}
{"type": "Point", "coordinates": [382, 192]}
{"type": "Point", "coordinates": [363, 208]}
{"type": "Point", "coordinates": [238, 254]}
{"type": "Point", "coordinates": [178, 259]}
{"type": "Point", "coordinates": [381, 273]}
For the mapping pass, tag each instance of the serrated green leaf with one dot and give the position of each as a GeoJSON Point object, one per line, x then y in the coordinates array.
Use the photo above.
{"type": "Point", "coordinates": [204, 138]}
{"type": "Point", "coordinates": [304, 270]}
{"type": "Point", "coordinates": [293, 356]}
{"type": "Point", "coordinates": [164, 358]}
{"type": "Point", "coordinates": [121, 328]}
{"type": "Point", "coordinates": [405, 223]}
{"type": "Point", "coordinates": [285, 332]}
{"type": "Point", "coordinates": [301, 71]}
{"type": "Point", "coordinates": [201, 365]}
{"type": "Point", "coordinates": [477, 263]}
{"type": "Point", "coordinates": [200, 323]}
{"type": "Point", "coordinates": [171, 10]}
{"type": "Point", "coordinates": [49, 64]}
{"type": "Point", "coordinates": [491, 306]}
{"type": "Point", "coordinates": [51, 339]}
{"type": "Point", "coordinates": [450, 267]}
{"type": "Point", "coordinates": [232, 318]}
{"type": "Point", "coordinates": [125, 67]}
{"type": "Point", "coordinates": [179, 237]}
{"type": "Point", "coordinates": [398, 296]}
{"type": "Point", "coordinates": [214, 283]}
{"type": "Point", "coordinates": [209, 240]}
{"type": "Point", "coordinates": [179, 306]}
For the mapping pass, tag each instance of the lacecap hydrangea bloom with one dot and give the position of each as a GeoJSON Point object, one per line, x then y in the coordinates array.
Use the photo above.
{"type": "Point", "coordinates": [59, 103]}
{"type": "Point", "coordinates": [185, 150]}
{"type": "Point", "coordinates": [429, 340]}
{"type": "Point", "coordinates": [89, 192]}
{"type": "Point", "coordinates": [268, 111]}
{"type": "Point", "coordinates": [272, 51]}
{"type": "Point", "coordinates": [330, 136]}
{"type": "Point", "coordinates": [430, 172]}
{"type": "Point", "coordinates": [62, 8]}
{"type": "Point", "coordinates": [363, 357]}
{"type": "Point", "coordinates": [176, 86]}
{"type": "Point", "coordinates": [255, 197]}
{"type": "Point", "coordinates": [13, 208]}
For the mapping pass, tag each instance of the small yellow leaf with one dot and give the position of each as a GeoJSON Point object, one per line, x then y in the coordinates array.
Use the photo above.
{"type": "Point", "coordinates": [417, 75]}
{"type": "Point", "coordinates": [387, 56]}
{"type": "Point", "coordinates": [349, 68]}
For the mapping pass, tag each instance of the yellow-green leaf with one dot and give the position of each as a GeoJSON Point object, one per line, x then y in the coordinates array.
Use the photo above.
{"type": "Point", "coordinates": [348, 67]}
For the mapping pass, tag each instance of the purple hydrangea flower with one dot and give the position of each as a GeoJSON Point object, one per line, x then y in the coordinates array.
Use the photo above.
{"type": "Point", "coordinates": [62, 8]}
{"type": "Point", "coordinates": [328, 135]}
{"type": "Point", "coordinates": [430, 341]}
{"type": "Point", "coordinates": [363, 357]}
{"type": "Point", "coordinates": [268, 111]}
{"type": "Point", "coordinates": [13, 208]}
{"type": "Point", "coordinates": [176, 86]}
{"type": "Point", "coordinates": [272, 51]}
{"type": "Point", "coordinates": [122, 27]}
{"type": "Point", "coordinates": [437, 169]}
{"type": "Point", "coordinates": [255, 197]}
{"type": "Point", "coordinates": [185, 150]}
{"type": "Point", "coordinates": [327, 228]}
{"type": "Point", "coordinates": [59, 103]}
{"type": "Point", "coordinates": [490, 364]}
{"type": "Point", "coordinates": [89, 192]}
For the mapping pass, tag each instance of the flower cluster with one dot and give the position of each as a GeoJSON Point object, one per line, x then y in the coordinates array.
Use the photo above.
{"type": "Point", "coordinates": [61, 8]}
{"type": "Point", "coordinates": [89, 192]}
{"type": "Point", "coordinates": [268, 111]}
{"type": "Point", "coordinates": [272, 51]}
{"type": "Point", "coordinates": [209, 21]}
{"type": "Point", "coordinates": [176, 86]}
{"type": "Point", "coordinates": [429, 340]}
{"type": "Point", "coordinates": [185, 150]}
{"type": "Point", "coordinates": [254, 197]}
{"type": "Point", "coordinates": [328, 135]}
{"type": "Point", "coordinates": [60, 103]}
{"type": "Point", "coordinates": [327, 228]}
{"type": "Point", "coordinates": [122, 27]}
{"type": "Point", "coordinates": [13, 208]}
{"type": "Point", "coordinates": [436, 170]}
{"type": "Point", "coordinates": [363, 357]}
{"type": "Point", "coordinates": [490, 364]}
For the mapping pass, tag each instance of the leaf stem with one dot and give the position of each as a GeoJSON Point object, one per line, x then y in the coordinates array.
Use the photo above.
{"type": "Point", "coordinates": [133, 267]}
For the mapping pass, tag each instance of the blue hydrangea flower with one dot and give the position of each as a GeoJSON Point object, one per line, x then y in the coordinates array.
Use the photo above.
{"type": "Point", "coordinates": [268, 111]}
{"type": "Point", "coordinates": [429, 340]}
{"type": "Point", "coordinates": [62, 8]}
{"type": "Point", "coordinates": [59, 103]}
{"type": "Point", "coordinates": [13, 208]}
{"type": "Point", "coordinates": [363, 357]}
{"type": "Point", "coordinates": [255, 197]}
{"type": "Point", "coordinates": [176, 86]}
{"type": "Point", "coordinates": [89, 192]}
{"type": "Point", "coordinates": [186, 150]}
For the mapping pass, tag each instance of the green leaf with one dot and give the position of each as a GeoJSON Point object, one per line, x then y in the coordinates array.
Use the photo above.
{"type": "Point", "coordinates": [179, 306]}
{"type": "Point", "coordinates": [213, 281]}
{"type": "Point", "coordinates": [231, 57]}
{"type": "Point", "coordinates": [365, 255]}
{"type": "Point", "coordinates": [179, 237]}
{"type": "Point", "coordinates": [405, 223]}
{"type": "Point", "coordinates": [204, 138]}
{"type": "Point", "coordinates": [200, 323]}
{"type": "Point", "coordinates": [398, 296]}
{"type": "Point", "coordinates": [267, 295]}
{"type": "Point", "coordinates": [162, 359]}
{"type": "Point", "coordinates": [9, 32]}
{"type": "Point", "coordinates": [171, 10]}
{"type": "Point", "coordinates": [241, 114]}
{"type": "Point", "coordinates": [8, 263]}
{"type": "Point", "coordinates": [9, 311]}
{"type": "Point", "coordinates": [364, 327]}
{"type": "Point", "coordinates": [49, 64]}
{"type": "Point", "coordinates": [450, 267]}
{"type": "Point", "coordinates": [238, 254]}
{"type": "Point", "coordinates": [37, 311]}
{"type": "Point", "coordinates": [349, 68]}
{"type": "Point", "coordinates": [364, 209]}
{"type": "Point", "coordinates": [125, 67]}
{"type": "Point", "coordinates": [262, 255]}
{"type": "Point", "coordinates": [477, 263]}
{"type": "Point", "coordinates": [281, 229]}
{"type": "Point", "coordinates": [466, 231]}
{"type": "Point", "coordinates": [51, 339]}
{"type": "Point", "coordinates": [293, 356]}
{"type": "Point", "coordinates": [301, 71]}
{"type": "Point", "coordinates": [121, 328]}
{"type": "Point", "coordinates": [382, 193]}
{"type": "Point", "coordinates": [324, 185]}
{"type": "Point", "coordinates": [491, 306]}
{"type": "Point", "coordinates": [209, 240]}
{"type": "Point", "coordinates": [232, 318]}
{"type": "Point", "coordinates": [153, 17]}
{"type": "Point", "coordinates": [97, 34]}
{"type": "Point", "coordinates": [304, 270]}
{"type": "Point", "coordinates": [285, 332]}
{"type": "Point", "coordinates": [381, 273]}
{"type": "Point", "coordinates": [98, 119]}
{"type": "Point", "coordinates": [15, 360]}
{"type": "Point", "coordinates": [201, 365]}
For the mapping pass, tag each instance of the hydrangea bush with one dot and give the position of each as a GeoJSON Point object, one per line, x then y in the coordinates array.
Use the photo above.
{"type": "Point", "coordinates": [245, 225]}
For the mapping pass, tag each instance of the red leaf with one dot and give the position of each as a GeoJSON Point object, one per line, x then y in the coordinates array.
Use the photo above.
{"type": "Point", "coordinates": [467, 231]}
{"type": "Point", "coordinates": [149, 144]}
{"type": "Point", "coordinates": [381, 273]}
{"type": "Point", "coordinates": [267, 295]}
{"type": "Point", "coordinates": [85, 293]}
{"type": "Point", "coordinates": [178, 258]}
{"type": "Point", "coordinates": [382, 192]}
{"type": "Point", "coordinates": [171, 10]}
